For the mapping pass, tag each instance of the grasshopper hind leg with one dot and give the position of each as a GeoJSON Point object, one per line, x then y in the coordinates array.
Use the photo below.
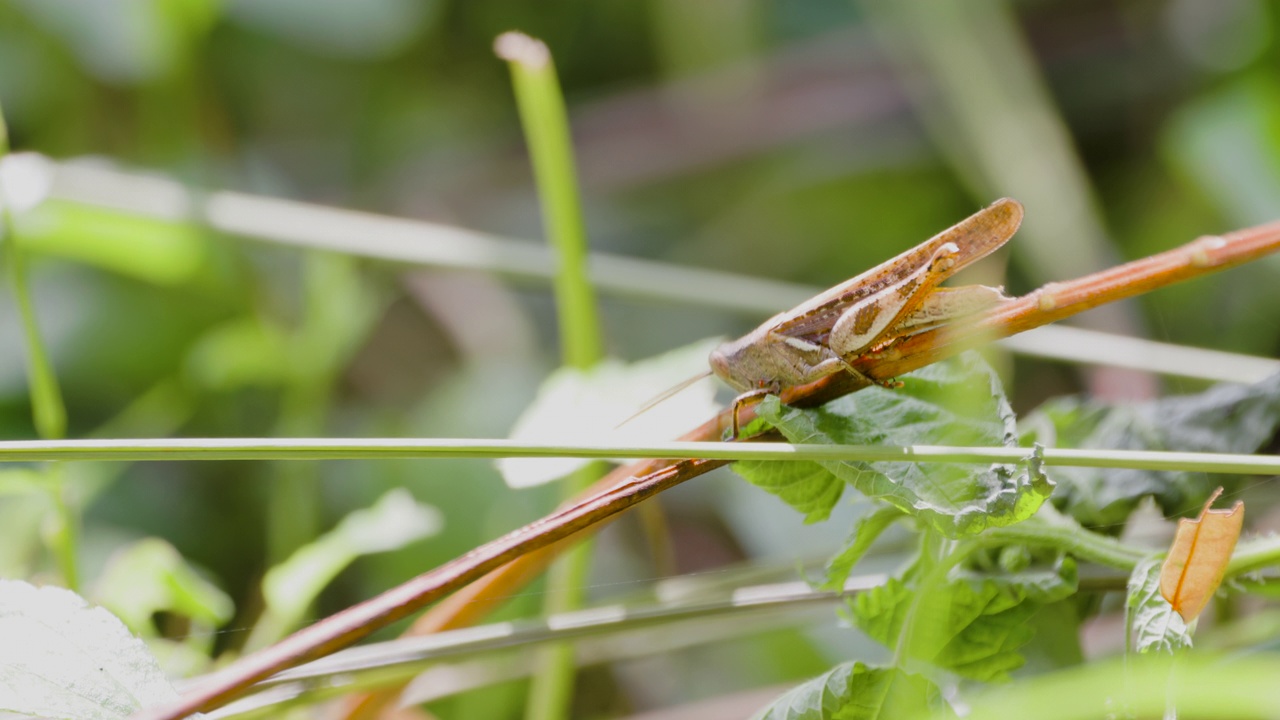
{"type": "Point", "coordinates": [849, 368]}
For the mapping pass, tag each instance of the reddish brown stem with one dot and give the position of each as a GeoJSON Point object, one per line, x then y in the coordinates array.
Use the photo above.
{"type": "Point", "coordinates": [348, 626]}
{"type": "Point", "coordinates": [533, 546]}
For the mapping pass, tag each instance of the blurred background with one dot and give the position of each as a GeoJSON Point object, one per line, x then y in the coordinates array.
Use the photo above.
{"type": "Point", "coordinates": [798, 142]}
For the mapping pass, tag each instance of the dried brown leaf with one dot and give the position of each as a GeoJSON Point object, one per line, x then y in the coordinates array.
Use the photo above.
{"type": "Point", "coordinates": [1198, 557]}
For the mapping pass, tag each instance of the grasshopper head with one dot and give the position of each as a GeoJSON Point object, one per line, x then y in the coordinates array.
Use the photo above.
{"type": "Point", "coordinates": [722, 361]}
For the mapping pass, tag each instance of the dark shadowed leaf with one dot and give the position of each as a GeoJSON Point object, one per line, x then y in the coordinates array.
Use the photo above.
{"type": "Point", "coordinates": [1225, 418]}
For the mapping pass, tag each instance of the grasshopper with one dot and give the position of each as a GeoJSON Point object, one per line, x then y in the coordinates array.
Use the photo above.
{"type": "Point", "coordinates": [867, 313]}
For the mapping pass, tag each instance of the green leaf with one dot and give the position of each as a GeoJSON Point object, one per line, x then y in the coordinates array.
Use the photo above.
{"type": "Point", "coordinates": [806, 486]}
{"type": "Point", "coordinates": [150, 576]}
{"type": "Point", "coordinates": [1041, 584]}
{"type": "Point", "coordinates": [974, 625]}
{"type": "Point", "coordinates": [958, 402]}
{"type": "Point", "coordinates": [865, 532]}
{"type": "Point", "coordinates": [1156, 626]}
{"type": "Point", "coordinates": [63, 658]}
{"type": "Point", "coordinates": [244, 352]}
{"type": "Point", "coordinates": [396, 520]}
{"type": "Point", "coordinates": [1225, 418]}
{"type": "Point", "coordinates": [853, 691]}
{"type": "Point", "coordinates": [972, 630]}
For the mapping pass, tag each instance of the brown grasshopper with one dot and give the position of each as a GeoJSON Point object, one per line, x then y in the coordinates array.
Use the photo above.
{"type": "Point", "coordinates": [867, 313]}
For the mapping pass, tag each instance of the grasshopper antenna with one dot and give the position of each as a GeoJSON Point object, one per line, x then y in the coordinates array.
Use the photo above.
{"type": "Point", "coordinates": [664, 396]}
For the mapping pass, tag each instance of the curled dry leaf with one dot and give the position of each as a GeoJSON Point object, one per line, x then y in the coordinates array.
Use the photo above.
{"type": "Point", "coordinates": [1198, 557]}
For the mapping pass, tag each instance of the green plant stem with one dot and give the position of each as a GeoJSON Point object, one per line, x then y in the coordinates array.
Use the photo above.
{"type": "Point", "coordinates": [49, 414]}
{"type": "Point", "coordinates": [47, 409]}
{"type": "Point", "coordinates": [546, 129]}
{"type": "Point", "coordinates": [336, 448]}
{"type": "Point", "coordinates": [1254, 555]}
{"type": "Point", "coordinates": [63, 534]}
{"type": "Point", "coordinates": [1073, 539]}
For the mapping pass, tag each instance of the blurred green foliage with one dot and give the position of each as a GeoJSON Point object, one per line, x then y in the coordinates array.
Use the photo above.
{"type": "Point", "coordinates": [799, 140]}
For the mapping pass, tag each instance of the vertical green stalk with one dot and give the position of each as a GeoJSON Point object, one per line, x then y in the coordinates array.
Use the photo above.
{"type": "Point", "coordinates": [546, 130]}
{"type": "Point", "coordinates": [48, 412]}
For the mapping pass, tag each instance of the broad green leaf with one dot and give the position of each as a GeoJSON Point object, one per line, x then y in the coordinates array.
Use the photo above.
{"type": "Point", "coordinates": [853, 691]}
{"type": "Point", "coordinates": [150, 576]}
{"type": "Point", "coordinates": [958, 402]}
{"type": "Point", "coordinates": [973, 630]}
{"type": "Point", "coordinates": [63, 658]}
{"type": "Point", "coordinates": [805, 486]}
{"type": "Point", "coordinates": [1225, 418]}
{"type": "Point", "coordinates": [975, 624]}
{"type": "Point", "coordinates": [865, 532]}
{"type": "Point", "coordinates": [1156, 626]}
{"type": "Point", "coordinates": [289, 588]}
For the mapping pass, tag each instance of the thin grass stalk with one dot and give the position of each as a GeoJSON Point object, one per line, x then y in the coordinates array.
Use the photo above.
{"type": "Point", "coordinates": [49, 413]}
{"type": "Point", "coordinates": [546, 129]}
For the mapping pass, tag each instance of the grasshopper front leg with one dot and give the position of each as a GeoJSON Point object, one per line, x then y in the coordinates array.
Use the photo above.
{"type": "Point", "coordinates": [792, 362]}
{"type": "Point", "coordinates": [751, 397]}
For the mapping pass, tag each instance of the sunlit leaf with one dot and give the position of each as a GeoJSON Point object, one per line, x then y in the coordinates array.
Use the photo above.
{"type": "Point", "coordinates": [63, 658]}
{"type": "Point", "coordinates": [1156, 626]}
{"type": "Point", "coordinates": [598, 405]}
{"type": "Point", "coordinates": [959, 402]}
{"type": "Point", "coordinates": [1198, 557]}
{"type": "Point", "coordinates": [854, 691]}
{"type": "Point", "coordinates": [974, 630]}
{"type": "Point", "coordinates": [865, 532]}
{"type": "Point", "coordinates": [288, 589]}
{"type": "Point", "coordinates": [807, 487]}
{"type": "Point", "coordinates": [149, 577]}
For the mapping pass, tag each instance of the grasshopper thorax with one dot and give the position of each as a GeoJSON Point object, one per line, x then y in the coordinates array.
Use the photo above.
{"type": "Point", "coordinates": [758, 361]}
